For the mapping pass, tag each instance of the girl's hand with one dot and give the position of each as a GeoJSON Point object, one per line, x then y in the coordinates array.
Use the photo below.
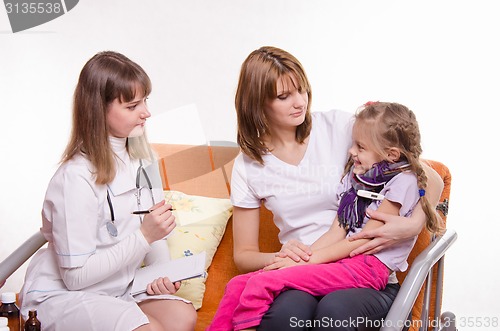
{"type": "Point", "coordinates": [282, 262]}
{"type": "Point", "coordinates": [162, 285]}
{"type": "Point", "coordinates": [295, 250]}
{"type": "Point", "coordinates": [158, 223]}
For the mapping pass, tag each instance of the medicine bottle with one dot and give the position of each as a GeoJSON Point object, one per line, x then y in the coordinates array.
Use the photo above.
{"type": "Point", "coordinates": [32, 323]}
{"type": "Point", "coordinates": [3, 324]}
{"type": "Point", "coordinates": [10, 310]}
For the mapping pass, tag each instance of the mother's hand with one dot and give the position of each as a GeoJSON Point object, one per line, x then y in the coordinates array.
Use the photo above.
{"type": "Point", "coordinates": [295, 250]}
{"type": "Point", "coordinates": [280, 263]}
{"type": "Point", "coordinates": [395, 229]}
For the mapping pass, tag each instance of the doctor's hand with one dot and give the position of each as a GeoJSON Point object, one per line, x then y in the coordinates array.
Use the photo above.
{"type": "Point", "coordinates": [158, 223]}
{"type": "Point", "coordinates": [162, 285]}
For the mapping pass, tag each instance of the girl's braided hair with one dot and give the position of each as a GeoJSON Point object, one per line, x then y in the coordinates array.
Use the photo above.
{"type": "Point", "coordinates": [394, 125]}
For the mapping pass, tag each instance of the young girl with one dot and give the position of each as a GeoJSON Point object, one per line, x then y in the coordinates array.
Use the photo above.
{"type": "Point", "coordinates": [81, 280]}
{"type": "Point", "coordinates": [383, 173]}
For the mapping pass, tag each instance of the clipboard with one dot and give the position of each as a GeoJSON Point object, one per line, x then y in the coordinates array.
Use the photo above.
{"type": "Point", "coordinates": [176, 270]}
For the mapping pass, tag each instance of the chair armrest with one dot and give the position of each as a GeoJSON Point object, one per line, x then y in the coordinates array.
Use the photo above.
{"type": "Point", "coordinates": [414, 280]}
{"type": "Point", "coordinates": [20, 255]}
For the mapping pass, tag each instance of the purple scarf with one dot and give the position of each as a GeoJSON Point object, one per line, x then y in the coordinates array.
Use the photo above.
{"type": "Point", "coordinates": [352, 207]}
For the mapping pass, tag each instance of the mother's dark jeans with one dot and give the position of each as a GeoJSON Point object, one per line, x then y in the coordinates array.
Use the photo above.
{"type": "Point", "coordinates": [353, 309]}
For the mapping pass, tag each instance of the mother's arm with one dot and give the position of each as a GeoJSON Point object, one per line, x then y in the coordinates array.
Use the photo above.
{"type": "Point", "coordinates": [247, 255]}
{"type": "Point", "coordinates": [397, 228]}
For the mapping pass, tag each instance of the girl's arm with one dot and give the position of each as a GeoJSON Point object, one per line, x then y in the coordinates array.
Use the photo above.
{"type": "Point", "coordinates": [341, 247]}
{"type": "Point", "coordinates": [334, 235]}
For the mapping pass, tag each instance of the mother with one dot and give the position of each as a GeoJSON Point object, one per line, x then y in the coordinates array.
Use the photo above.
{"type": "Point", "coordinates": [291, 162]}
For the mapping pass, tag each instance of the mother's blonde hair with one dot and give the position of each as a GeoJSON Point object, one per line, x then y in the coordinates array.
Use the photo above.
{"type": "Point", "coordinates": [105, 77]}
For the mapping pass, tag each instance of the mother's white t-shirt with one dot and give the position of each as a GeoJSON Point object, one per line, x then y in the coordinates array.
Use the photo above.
{"type": "Point", "coordinates": [302, 198]}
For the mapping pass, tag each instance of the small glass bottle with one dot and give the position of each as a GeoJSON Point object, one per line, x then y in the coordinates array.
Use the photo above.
{"type": "Point", "coordinates": [3, 324]}
{"type": "Point", "coordinates": [10, 310]}
{"type": "Point", "coordinates": [32, 323]}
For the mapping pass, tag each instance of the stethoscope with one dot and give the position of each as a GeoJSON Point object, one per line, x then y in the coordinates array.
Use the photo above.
{"type": "Point", "coordinates": [110, 225]}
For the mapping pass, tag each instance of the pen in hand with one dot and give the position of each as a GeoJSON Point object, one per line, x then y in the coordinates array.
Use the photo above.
{"type": "Point", "coordinates": [142, 212]}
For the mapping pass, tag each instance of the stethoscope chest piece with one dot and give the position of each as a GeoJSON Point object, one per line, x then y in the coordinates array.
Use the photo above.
{"type": "Point", "coordinates": [110, 225]}
{"type": "Point", "coordinates": [112, 230]}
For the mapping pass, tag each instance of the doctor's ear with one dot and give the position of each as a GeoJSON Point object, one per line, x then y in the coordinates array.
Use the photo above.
{"type": "Point", "coordinates": [393, 154]}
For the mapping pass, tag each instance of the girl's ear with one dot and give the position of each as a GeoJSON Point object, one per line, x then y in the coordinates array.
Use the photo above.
{"type": "Point", "coordinates": [393, 154]}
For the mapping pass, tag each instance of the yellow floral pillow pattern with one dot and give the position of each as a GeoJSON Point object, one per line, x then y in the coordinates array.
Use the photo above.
{"type": "Point", "coordinates": [201, 222]}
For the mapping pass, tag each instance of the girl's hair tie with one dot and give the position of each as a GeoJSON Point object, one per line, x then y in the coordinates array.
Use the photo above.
{"type": "Point", "coordinates": [421, 192]}
{"type": "Point", "coordinates": [369, 103]}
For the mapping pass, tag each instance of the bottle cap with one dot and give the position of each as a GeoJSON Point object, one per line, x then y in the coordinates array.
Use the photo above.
{"type": "Point", "coordinates": [4, 321]}
{"type": "Point", "coordinates": [8, 297]}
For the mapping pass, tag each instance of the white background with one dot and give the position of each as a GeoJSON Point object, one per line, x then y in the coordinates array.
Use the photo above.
{"type": "Point", "coordinates": [440, 58]}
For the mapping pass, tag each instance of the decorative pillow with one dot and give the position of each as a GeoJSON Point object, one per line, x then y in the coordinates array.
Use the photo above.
{"type": "Point", "coordinates": [201, 222]}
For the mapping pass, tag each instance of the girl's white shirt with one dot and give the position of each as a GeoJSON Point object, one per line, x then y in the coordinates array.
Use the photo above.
{"type": "Point", "coordinates": [302, 198]}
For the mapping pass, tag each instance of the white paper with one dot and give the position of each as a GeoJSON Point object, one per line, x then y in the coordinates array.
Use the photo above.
{"type": "Point", "coordinates": [177, 126]}
{"type": "Point", "coordinates": [176, 270]}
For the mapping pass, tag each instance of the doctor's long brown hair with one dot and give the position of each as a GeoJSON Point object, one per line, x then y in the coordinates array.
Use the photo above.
{"type": "Point", "coordinates": [105, 77]}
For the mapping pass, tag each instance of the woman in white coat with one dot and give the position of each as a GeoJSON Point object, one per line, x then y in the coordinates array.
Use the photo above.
{"type": "Point", "coordinates": [81, 281]}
